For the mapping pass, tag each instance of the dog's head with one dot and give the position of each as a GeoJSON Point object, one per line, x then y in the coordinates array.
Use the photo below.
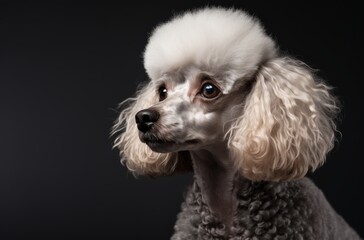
{"type": "Point", "coordinates": [216, 78]}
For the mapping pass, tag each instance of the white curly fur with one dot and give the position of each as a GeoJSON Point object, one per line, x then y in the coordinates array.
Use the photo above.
{"type": "Point", "coordinates": [287, 126]}
{"type": "Point", "coordinates": [216, 40]}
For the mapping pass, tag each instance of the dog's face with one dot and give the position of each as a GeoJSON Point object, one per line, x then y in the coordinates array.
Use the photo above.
{"type": "Point", "coordinates": [216, 79]}
{"type": "Point", "coordinates": [194, 110]}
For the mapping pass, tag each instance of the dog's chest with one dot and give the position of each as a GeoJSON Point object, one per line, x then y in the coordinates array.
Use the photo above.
{"type": "Point", "coordinates": [264, 211]}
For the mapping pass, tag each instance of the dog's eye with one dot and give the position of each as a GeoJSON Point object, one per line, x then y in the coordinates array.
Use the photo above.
{"type": "Point", "coordinates": [162, 91]}
{"type": "Point", "coordinates": [209, 91]}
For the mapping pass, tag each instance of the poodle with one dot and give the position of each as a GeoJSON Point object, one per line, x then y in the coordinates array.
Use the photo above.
{"type": "Point", "coordinates": [250, 123]}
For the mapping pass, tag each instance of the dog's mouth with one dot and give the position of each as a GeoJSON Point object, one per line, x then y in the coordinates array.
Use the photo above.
{"type": "Point", "coordinates": [163, 145]}
{"type": "Point", "coordinates": [151, 138]}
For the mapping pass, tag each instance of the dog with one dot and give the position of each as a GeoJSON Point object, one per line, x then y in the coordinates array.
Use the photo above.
{"type": "Point", "coordinates": [223, 102]}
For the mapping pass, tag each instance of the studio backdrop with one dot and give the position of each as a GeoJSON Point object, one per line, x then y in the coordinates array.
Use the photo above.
{"type": "Point", "coordinates": [65, 67]}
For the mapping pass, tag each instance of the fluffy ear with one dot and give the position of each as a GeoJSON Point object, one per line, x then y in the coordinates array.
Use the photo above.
{"type": "Point", "coordinates": [287, 125]}
{"type": "Point", "coordinates": [137, 156]}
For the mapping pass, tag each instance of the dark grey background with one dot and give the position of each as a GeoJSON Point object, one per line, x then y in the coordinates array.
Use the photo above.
{"type": "Point", "coordinates": [64, 67]}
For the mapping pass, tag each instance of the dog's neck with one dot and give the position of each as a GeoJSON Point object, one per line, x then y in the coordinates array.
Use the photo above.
{"type": "Point", "coordinates": [216, 176]}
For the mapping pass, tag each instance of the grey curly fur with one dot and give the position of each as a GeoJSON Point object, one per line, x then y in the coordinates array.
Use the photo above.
{"type": "Point", "coordinates": [266, 210]}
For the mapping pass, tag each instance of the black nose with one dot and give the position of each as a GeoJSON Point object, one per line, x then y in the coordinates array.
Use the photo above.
{"type": "Point", "coordinates": [146, 118]}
